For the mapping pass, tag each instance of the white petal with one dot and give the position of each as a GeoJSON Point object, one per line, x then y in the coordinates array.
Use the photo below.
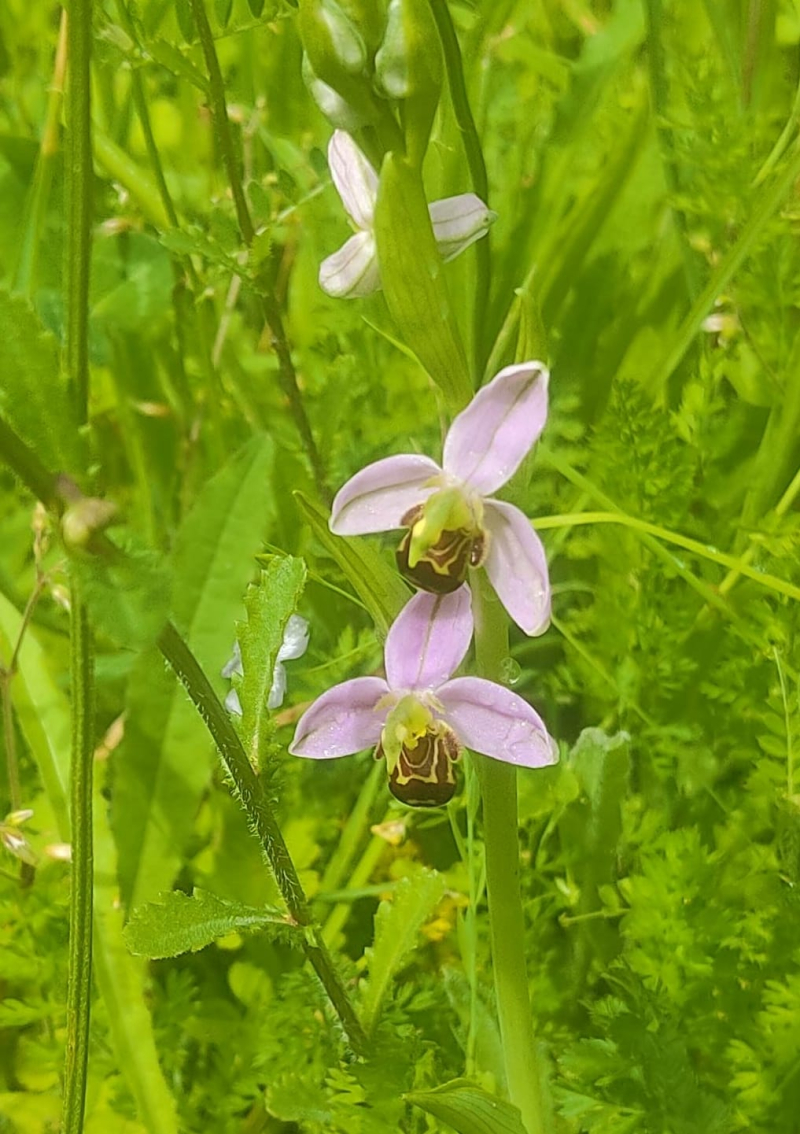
{"type": "Point", "coordinates": [295, 639]}
{"type": "Point", "coordinates": [458, 222]}
{"type": "Point", "coordinates": [351, 272]}
{"type": "Point", "coordinates": [234, 663]}
{"type": "Point", "coordinates": [278, 690]}
{"type": "Point", "coordinates": [233, 704]}
{"type": "Point", "coordinates": [355, 180]}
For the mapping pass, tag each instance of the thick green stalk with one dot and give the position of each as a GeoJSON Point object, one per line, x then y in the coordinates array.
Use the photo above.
{"type": "Point", "coordinates": [78, 267]}
{"type": "Point", "coordinates": [507, 922]}
{"type": "Point", "coordinates": [79, 986]}
{"type": "Point", "coordinates": [477, 168]}
{"type": "Point", "coordinates": [79, 198]}
{"type": "Point", "coordinates": [251, 793]}
{"type": "Point", "coordinates": [272, 314]}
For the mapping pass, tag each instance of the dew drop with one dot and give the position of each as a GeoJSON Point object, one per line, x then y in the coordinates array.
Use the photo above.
{"type": "Point", "coordinates": [510, 671]}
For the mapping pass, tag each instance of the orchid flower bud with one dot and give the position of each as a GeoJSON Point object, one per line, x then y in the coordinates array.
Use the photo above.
{"type": "Point", "coordinates": [369, 16]}
{"type": "Point", "coordinates": [338, 62]}
{"type": "Point", "coordinates": [409, 68]}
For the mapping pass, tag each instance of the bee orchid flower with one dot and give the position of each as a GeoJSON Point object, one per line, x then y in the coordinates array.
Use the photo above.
{"type": "Point", "coordinates": [353, 270]}
{"type": "Point", "coordinates": [452, 520]}
{"type": "Point", "coordinates": [420, 717]}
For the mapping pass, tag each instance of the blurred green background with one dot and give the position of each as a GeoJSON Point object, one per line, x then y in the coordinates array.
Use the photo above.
{"type": "Point", "coordinates": [644, 163]}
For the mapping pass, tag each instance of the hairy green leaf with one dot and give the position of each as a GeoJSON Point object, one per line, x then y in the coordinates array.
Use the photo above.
{"type": "Point", "coordinates": [177, 923]}
{"type": "Point", "coordinates": [269, 605]}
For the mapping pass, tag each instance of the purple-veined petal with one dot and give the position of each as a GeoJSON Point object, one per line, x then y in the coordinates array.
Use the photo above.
{"type": "Point", "coordinates": [517, 566]}
{"type": "Point", "coordinates": [490, 719]}
{"type": "Point", "coordinates": [352, 272]}
{"type": "Point", "coordinates": [427, 641]}
{"type": "Point", "coordinates": [355, 180]}
{"type": "Point", "coordinates": [342, 721]}
{"type": "Point", "coordinates": [458, 222]}
{"type": "Point", "coordinates": [489, 439]}
{"type": "Point", "coordinates": [377, 497]}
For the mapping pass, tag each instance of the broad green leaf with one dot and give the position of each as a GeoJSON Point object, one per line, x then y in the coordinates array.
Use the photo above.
{"type": "Point", "coordinates": [380, 589]}
{"type": "Point", "coordinates": [397, 925]}
{"type": "Point", "coordinates": [469, 1109]}
{"type": "Point", "coordinates": [42, 712]}
{"type": "Point", "coordinates": [178, 923]}
{"type": "Point", "coordinates": [127, 595]}
{"type": "Point", "coordinates": [34, 397]}
{"type": "Point", "coordinates": [269, 605]}
{"type": "Point", "coordinates": [164, 763]}
{"type": "Point", "coordinates": [413, 279]}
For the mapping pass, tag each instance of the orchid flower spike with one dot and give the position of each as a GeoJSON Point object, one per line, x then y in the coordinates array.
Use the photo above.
{"type": "Point", "coordinates": [353, 270]}
{"type": "Point", "coordinates": [419, 718]}
{"type": "Point", "coordinates": [294, 645]}
{"type": "Point", "coordinates": [452, 520]}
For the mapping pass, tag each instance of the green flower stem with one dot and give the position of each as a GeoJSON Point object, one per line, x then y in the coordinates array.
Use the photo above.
{"type": "Point", "coordinates": [79, 985]}
{"type": "Point", "coordinates": [250, 791]}
{"type": "Point", "coordinates": [476, 163]}
{"type": "Point", "coordinates": [272, 313]}
{"type": "Point", "coordinates": [498, 783]}
{"type": "Point", "coordinates": [80, 176]}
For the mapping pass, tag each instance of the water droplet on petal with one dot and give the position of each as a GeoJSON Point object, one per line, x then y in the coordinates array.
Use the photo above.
{"type": "Point", "coordinates": [510, 671]}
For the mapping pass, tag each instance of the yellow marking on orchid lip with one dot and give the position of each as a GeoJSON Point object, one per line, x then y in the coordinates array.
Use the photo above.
{"type": "Point", "coordinates": [406, 723]}
{"type": "Point", "coordinates": [447, 510]}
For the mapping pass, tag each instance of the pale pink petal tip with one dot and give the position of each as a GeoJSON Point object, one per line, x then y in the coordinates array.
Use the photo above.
{"type": "Point", "coordinates": [488, 440]}
{"type": "Point", "coordinates": [428, 640]}
{"type": "Point", "coordinates": [342, 721]}
{"type": "Point", "coordinates": [490, 719]}
{"type": "Point", "coordinates": [517, 567]}
{"type": "Point", "coordinates": [355, 180]}
{"type": "Point", "coordinates": [377, 497]}
{"type": "Point", "coordinates": [352, 272]}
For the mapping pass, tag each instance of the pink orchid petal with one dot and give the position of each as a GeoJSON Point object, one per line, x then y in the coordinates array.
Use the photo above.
{"type": "Point", "coordinates": [342, 721]}
{"type": "Point", "coordinates": [352, 272]}
{"type": "Point", "coordinates": [428, 640]}
{"type": "Point", "coordinates": [458, 222]}
{"type": "Point", "coordinates": [517, 566]}
{"type": "Point", "coordinates": [377, 498]}
{"type": "Point", "coordinates": [490, 719]}
{"type": "Point", "coordinates": [355, 180]}
{"type": "Point", "coordinates": [489, 439]}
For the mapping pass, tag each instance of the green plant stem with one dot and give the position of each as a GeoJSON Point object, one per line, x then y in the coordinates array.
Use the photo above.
{"type": "Point", "coordinates": [271, 309]}
{"type": "Point", "coordinates": [79, 199]}
{"type": "Point", "coordinates": [498, 783]}
{"type": "Point", "coordinates": [250, 791]}
{"type": "Point", "coordinates": [80, 176]}
{"type": "Point", "coordinates": [79, 985]}
{"type": "Point", "coordinates": [477, 168]}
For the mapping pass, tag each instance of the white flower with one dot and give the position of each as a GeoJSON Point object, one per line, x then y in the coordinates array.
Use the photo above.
{"type": "Point", "coordinates": [353, 270]}
{"type": "Point", "coordinates": [294, 645]}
